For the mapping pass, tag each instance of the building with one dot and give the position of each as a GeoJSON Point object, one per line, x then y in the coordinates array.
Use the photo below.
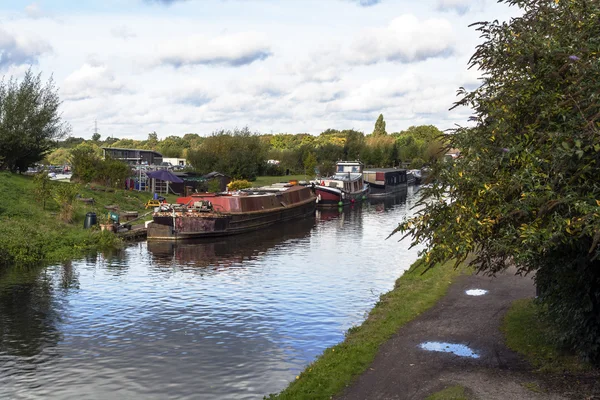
{"type": "Point", "coordinates": [175, 162]}
{"type": "Point", "coordinates": [220, 177]}
{"type": "Point", "coordinates": [133, 156]}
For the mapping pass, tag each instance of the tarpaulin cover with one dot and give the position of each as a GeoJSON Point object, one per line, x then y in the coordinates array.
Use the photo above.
{"type": "Point", "coordinates": [164, 175]}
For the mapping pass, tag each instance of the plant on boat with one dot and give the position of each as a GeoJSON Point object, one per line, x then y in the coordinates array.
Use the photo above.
{"type": "Point", "coordinates": [238, 185]}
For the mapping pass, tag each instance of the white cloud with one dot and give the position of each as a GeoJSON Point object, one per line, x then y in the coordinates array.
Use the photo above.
{"type": "Point", "coordinates": [405, 40]}
{"type": "Point", "coordinates": [20, 50]}
{"type": "Point", "coordinates": [461, 7]}
{"type": "Point", "coordinates": [90, 81]}
{"type": "Point", "coordinates": [231, 50]}
{"type": "Point", "coordinates": [34, 11]}
{"type": "Point", "coordinates": [122, 32]}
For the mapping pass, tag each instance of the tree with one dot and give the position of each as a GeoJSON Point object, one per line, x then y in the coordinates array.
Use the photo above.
{"type": "Point", "coordinates": [310, 163]}
{"type": "Point", "coordinates": [525, 191]}
{"type": "Point", "coordinates": [96, 137]}
{"type": "Point", "coordinates": [379, 127]}
{"type": "Point", "coordinates": [85, 163]}
{"type": "Point", "coordinates": [30, 123]}
{"type": "Point", "coordinates": [43, 187]}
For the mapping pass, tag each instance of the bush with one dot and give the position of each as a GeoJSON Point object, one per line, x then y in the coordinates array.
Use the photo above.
{"type": "Point", "coordinates": [239, 185]}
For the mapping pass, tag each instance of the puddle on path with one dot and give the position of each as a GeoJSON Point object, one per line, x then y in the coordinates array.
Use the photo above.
{"type": "Point", "coordinates": [476, 292]}
{"type": "Point", "coordinates": [454, 348]}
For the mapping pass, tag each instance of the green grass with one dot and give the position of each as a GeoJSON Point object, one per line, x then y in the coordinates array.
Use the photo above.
{"type": "Point", "coordinates": [452, 393]}
{"type": "Point", "coordinates": [32, 235]}
{"type": "Point", "coordinates": [339, 365]}
{"type": "Point", "coordinates": [527, 332]}
{"type": "Point", "coordinates": [269, 180]}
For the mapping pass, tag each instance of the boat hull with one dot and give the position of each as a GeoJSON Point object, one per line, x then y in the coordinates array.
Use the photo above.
{"type": "Point", "coordinates": [332, 197]}
{"type": "Point", "coordinates": [386, 190]}
{"type": "Point", "coordinates": [213, 224]}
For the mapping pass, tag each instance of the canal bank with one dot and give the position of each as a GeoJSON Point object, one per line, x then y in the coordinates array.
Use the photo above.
{"type": "Point", "coordinates": [475, 337]}
{"type": "Point", "coordinates": [31, 232]}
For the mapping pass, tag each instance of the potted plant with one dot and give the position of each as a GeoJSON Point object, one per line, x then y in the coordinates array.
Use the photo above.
{"type": "Point", "coordinates": [106, 224]}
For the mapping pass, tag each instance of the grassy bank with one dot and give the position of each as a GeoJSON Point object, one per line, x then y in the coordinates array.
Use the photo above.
{"type": "Point", "coordinates": [269, 180]}
{"type": "Point", "coordinates": [528, 333]}
{"type": "Point", "coordinates": [337, 366]}
{"type": "Point", "coordinates": [32, 235]}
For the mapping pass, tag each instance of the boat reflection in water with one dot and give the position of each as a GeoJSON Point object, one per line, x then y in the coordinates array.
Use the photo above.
{"type": "Point", "coordinates": [383, 203]}
{"type": "Point", "coordinates": [229, 250]}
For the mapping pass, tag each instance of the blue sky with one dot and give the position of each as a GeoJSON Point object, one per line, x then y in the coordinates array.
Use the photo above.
{"type": "Point", "coordinates": [183, 66]}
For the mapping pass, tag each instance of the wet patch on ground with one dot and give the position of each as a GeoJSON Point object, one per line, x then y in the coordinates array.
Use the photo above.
{"type": "Point", "coordinates": [476, 292]}
{"type": "Point", "coordinates": [455, 348]}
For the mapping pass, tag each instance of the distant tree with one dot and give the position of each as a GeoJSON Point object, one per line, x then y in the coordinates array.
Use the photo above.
{"type": "Point", "coordinates": [96, 137]}
{"type": "Point", "coordinates": [379, 127]}
{"type": "Point", "coordinates": [153, 136]}
{"type": "Point", "coordinates": [310, 163]}
{"type": "Point", "coordinates": [30, 123]}
{"type": "Point", "coordinates": [85, 163]}
{"type": "Point", "coordinates": [59, 156]}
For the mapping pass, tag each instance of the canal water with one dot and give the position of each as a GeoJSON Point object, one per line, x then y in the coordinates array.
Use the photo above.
{"type": "Point", "coordinates": [234, 318]}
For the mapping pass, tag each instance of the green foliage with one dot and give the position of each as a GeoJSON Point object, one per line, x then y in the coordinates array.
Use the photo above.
{"type": "Point", "coordinates": [85, 163]}
{"type": "Point", "coordinates": [525, 189]}
{"type": "Point", "coordinates": [310, 163]}
{"type": "Point", "coordinates": [414, 293]}
{"type": "Point", "coordinates": [214, 186]}
{"type": "Point", "coordinates": [96, 137]}
{"type": "Point", "coordinates": [239, 185]}
{"type": "Point", "coordinates": [59, 156]}
{"type": "Point", "coordinates": [29, 121]}
{"type": "Point", "coordinates": [112, 173]}
{"type": "Point", "coordinates": [528, 331]}
{"type": "Point", "coordinates": [239, 154]}
{"type": "Point", "coordinates": [42, 188]}
{"type": "Point", "coordinates": [379, 126]}
{"type": "Point", "coordinates": [64, 195]}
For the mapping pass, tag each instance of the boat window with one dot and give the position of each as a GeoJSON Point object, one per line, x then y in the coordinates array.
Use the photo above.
{"type": "Point", "coordinates": [355, 169]}
{"type": "Point", "coordinates": [333, 184]}
{"type": "Point", "coordinates": [340, 168]}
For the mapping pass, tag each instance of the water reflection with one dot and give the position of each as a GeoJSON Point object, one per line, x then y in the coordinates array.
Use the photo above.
{"type": "Point", "coordinates": [237, 317]}
{"type": "Point", "coordinates": [226, 251]}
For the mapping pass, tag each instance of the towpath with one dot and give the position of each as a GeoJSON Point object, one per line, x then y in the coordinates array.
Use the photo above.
{"type": "Point", "coordinates": [485, 366]}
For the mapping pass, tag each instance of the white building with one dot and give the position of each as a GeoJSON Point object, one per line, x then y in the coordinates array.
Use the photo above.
{"type": "Point", "coordinates": [182, 162]}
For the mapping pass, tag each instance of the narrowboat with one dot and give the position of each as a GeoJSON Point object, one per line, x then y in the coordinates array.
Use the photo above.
{"type": "Point", "coordinates": [209, 215]}
{"type": "Point", "coordinates": [386, 181]}
{"type": "Point", "coordinates": [345, 187]}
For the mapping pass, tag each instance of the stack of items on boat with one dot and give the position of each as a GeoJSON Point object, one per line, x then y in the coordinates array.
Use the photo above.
{"type": "Point", "coordinates": [220, 214]}
{"type": "Point", "coordinates": [345, 187]}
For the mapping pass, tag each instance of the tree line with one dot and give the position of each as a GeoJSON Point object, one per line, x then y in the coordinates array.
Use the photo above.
{"type": "Point", "coordinates": [243, 154]}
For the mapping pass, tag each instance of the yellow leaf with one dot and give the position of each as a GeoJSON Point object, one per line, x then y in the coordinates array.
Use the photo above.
{"type": "Point", "coordinates": [598, 203]}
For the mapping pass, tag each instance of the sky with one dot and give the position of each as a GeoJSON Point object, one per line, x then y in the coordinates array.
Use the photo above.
{"type": "Point", "coordinates": [275, 66]}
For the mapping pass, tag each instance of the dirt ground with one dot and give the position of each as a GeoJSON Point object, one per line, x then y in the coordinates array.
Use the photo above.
{"type": "Point", "coordinates": [403, 370]}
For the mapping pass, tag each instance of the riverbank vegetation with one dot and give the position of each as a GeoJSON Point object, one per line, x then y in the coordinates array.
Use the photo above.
{"type": "Point", "coordinates": [529, 332]}
{"type": "Point", "coordinates": [243, 154]}
{"type": "Point", "coordinates": [524, 190]}
{"type": "Point", "coordinates": [32, 232]}
{"type": "Point", "coordinates": [414, 293]}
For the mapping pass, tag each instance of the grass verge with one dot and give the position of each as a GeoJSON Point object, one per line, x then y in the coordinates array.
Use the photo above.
{"type": "Point", "coordinates": [269, 180]}
{"type": "Point", "coordinates": [451, 393]}
{"type": "Point", "coordinates": [527, 332]}
{"type": "Point", "coordinates": [413, 294]}
{"type": "Point", "coordinates": [31, 235]}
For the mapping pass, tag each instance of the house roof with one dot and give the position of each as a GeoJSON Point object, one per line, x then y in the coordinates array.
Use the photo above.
{"type": "Point", "coordinates": [140, 150]}
{"type": "Point", "coordinates": [214, 174]}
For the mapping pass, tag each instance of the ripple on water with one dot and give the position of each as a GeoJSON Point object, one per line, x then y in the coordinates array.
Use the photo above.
{"type": "Point", "coordinates": [457, 349]}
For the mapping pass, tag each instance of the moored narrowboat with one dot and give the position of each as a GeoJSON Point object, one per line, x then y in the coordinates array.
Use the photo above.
{"type": "Point", "coordinates": [385, 181]}
{"type": "Point", "coordinates": [345, 187]}
{"type": "Point", "coordinates": [210, 215]}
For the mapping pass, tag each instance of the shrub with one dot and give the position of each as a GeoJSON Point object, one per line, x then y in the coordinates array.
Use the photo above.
{"type": "Point", "coordinates": [239, 185]}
